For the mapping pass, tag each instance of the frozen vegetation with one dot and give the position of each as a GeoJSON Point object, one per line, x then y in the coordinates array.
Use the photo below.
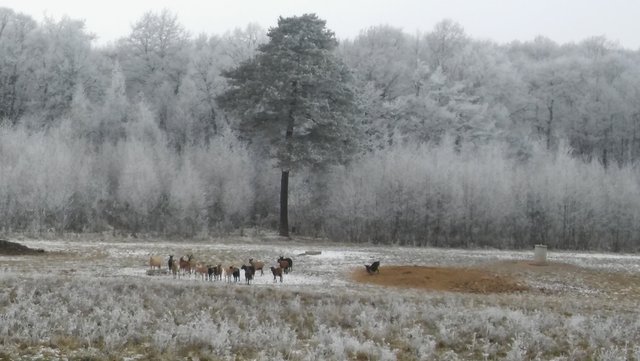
{"type": "Point", "coordinates": [430, 139]}
{"type": "Point", "coordinates": [457, 145]}
{"type": "Point", "coordinates": [92, 299]}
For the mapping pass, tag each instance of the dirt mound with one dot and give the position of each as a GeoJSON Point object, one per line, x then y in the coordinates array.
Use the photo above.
{"type": "Point", "coordinates": [453, 279]}
{"type": "Point", "coordinates": [16, 249]}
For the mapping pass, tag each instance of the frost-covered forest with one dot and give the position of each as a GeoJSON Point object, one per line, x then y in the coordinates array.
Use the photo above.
{"type": "Point", "coordinates": [454, 141]}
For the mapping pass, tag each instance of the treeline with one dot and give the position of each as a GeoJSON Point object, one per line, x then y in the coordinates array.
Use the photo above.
{"type": "Point", "coordinates": [436, 196]}
{"type": "Point", "coordinates": [404, 194]}
{"type": "Point", "coordinates": [460, 142]}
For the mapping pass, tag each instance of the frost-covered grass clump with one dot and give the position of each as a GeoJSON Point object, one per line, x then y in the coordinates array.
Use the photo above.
{"type": "Point", "coordinates": [113, 318]}
{"type": "Point", "coordinates": [75, 312]}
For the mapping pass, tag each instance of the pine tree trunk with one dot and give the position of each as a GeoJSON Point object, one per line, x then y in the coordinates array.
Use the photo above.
{"type": "Point", "coordinates": [284, 181]}
{"type": "Point", "coordinates": [284, 204]}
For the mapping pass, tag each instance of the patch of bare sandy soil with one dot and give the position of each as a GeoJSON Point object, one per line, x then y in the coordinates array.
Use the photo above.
{"type": "Point", "coordinates": [507, 277]}
{"type": "Point", "coordinates": [16, 249]}
{"type": "Point", "coordinates": [471, 280]}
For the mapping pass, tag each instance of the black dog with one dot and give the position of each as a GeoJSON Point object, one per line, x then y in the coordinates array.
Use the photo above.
{"type": "Point", "coordinates": [373, 268]}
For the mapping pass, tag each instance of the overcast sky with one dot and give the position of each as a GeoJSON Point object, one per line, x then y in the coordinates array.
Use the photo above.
{"type": "Point", "coordinates": [499, 20]}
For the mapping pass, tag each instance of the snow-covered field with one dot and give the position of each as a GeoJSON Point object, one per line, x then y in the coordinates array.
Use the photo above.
{"type": "Point", "coordinates": [92, 299]}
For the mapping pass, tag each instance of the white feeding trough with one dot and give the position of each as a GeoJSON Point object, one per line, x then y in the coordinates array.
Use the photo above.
{"type": "Point", "coordinates": [540, 255]}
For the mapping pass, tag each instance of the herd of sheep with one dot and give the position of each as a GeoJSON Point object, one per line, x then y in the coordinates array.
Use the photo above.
{"type": "Point", "coordinates": [186, 266]}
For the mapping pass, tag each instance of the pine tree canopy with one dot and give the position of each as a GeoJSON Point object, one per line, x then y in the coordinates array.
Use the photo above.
{"type": "Point", "coordinates": [294, 96]}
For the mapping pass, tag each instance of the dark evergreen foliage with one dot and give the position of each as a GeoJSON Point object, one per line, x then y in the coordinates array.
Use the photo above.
{"type": "Point", "coordinates": [293, 99]}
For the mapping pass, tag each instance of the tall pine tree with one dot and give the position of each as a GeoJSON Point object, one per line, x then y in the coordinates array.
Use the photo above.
{"type": "Point", "coordinates": [294, 99]}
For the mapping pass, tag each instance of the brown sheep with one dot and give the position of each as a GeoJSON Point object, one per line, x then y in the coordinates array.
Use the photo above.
{"type": "Point", "coordinates": [277, 272]}
{"type": "Point", "coordinates": [185, 264]}
{"type": "Point", "coordinates": [155, 262]}
{"type": "Point", "coordinates": [201, 270]}
{"type": "Point", "coordinates": [215, 273]}
{"type": "Point", "coordinates": [228, 273]}
{"type": "Point", "coordinates": [233, 271]}
{"type": "Point", "coordinates": [257, 265]}
{"type": "Point", "coordinates": [175, 269]}
{"type": "Point", "coordinates": [288, 266]}
{"type": "Point", "coordinates": [284, 264]}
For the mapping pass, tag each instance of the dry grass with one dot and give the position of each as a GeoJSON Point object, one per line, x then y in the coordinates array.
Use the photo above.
{"type": "Point", "coordinates": [95, 302]}
{"type": "Point", "coordinates": [455, 279]}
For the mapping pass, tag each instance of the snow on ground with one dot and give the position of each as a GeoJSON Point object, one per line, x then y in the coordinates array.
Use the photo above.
{"type": "Point", "coordinates": [478, 324]}
{"type": "Point", "coordinates": [129, 258]}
